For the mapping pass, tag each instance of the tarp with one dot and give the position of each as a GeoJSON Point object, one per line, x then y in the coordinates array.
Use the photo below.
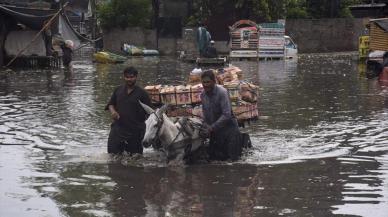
{"type": "Point", "coordinates": [32, 18]}
{"type": "Point", "coordinates": [18, 40]}
{"type": "Point", "coordinates": [35, 19]}
{"type": "Point", "coordinates": [67, 32]}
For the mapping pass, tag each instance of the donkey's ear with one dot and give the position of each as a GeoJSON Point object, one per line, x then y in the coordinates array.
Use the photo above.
{"type": "Point", "coordinates": [148, 109]}
{"type": "Point", "coordinates": [163, 109]}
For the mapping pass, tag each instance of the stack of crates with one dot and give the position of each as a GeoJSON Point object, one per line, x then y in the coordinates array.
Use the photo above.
{"type": "Point", "coordinates": [185, 100]}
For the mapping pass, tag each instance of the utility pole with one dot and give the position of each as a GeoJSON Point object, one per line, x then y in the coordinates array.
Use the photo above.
{"type": "Point", "coordinates": [94, 18]}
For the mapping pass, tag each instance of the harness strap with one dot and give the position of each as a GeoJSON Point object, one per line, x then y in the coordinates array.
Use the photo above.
{"type": "Point", "coordinates": [184, 122]}
{"type": "Point", "coordinates": [182, 129]}
{"type": "Point", "coordinates": [160, 124]}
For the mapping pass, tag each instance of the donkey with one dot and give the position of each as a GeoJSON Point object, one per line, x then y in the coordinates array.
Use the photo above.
{"type": "Point", "coordinates": [178, 140]}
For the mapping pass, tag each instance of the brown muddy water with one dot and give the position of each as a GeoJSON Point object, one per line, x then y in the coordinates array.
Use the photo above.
{"type": "Point", "coordinates": [320, 146]}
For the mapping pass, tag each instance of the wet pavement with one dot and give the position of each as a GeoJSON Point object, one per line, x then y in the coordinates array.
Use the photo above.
{"type": "Point", "coordinates": [320, 147]}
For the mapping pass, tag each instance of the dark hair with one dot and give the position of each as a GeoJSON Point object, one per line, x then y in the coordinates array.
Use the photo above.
{"type": "Point", "coordinates": [130, 71]}
{"type": "Point", "coordinates": [208, 74]}
{"type": "Point", "coordinates": [385, 55]}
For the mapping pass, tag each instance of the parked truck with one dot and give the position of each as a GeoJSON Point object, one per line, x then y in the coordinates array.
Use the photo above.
{"type": "Point", "coordinates": [264, 41]}
{"type": "Point", "coordinates": [244, 39]}
{"type": "Point", "coordinates": [271, 40]}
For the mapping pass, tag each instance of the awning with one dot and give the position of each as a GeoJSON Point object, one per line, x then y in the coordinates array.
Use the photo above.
{"type": "Point", "coordinates": [32, 18]}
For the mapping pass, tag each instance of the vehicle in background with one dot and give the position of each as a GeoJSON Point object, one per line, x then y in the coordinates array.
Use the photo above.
{"type": "Point", "coordinates": [374, 63]}
{"type": "Point", "coordinates": [271, 41]}
{"type": "Point", "coordinates": [291, 48]}
{"type": "Point", "coordinates": [244, 40]}
{"type": "Point", "coordinates": [265, 41]}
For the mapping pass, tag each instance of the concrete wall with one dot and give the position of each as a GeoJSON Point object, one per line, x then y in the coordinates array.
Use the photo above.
{"type": "Point", "coordinates": [167, 46]}
{"type": "Point", "coordinates": [173, 8]}
{"type": "Point", "coordinates": [325, 35]}
{"type": "Point", "coordinates": [311, 36]}
{"type": "Point", "coordinates": [115, 38]}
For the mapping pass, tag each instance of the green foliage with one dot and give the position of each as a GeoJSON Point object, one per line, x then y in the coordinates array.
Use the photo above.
{"type": "Point", "coordinates": [277, 10]}
{"type": "Point", "coordinates": [271, 10]}
{"type": "Point", "coordinates": [125, 13]}
{"type": "Point", "coordinates": [344, 10]}
{"type": "Point", "coordinates": [330, 8]}
{"type": "Point", "coordinates": [296, 9]}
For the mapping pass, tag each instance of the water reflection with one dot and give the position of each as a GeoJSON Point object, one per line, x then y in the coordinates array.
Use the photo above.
{"type": "Point", "coordinates": [320, 150]}
{"type": "Point", "coordinates": [324, 187]}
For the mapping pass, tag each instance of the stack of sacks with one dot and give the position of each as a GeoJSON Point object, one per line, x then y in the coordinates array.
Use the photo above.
{"type": "Point", "coordinates": [248, 92]}
{"type": "Point", "coordinates": [245, 111]}
{"type": "Point", "coordinates": [233, 88]}
{"type": "Point", "coordinates": [195, 76]}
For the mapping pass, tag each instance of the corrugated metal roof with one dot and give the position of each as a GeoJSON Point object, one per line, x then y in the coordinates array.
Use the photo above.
{"type": "Point", "coordinates": [377, 5]}
{"type": "Point", "coordinates": [378, 37]}
{"type": "Point", "coordinates": [382, 23]}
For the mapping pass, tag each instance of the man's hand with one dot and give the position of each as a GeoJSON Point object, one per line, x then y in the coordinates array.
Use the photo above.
{"type": "Point", "coordinates": [210, 130]}
{"type": "Point", "coordinates": [115, 115]}
{"type": "Point", "coordinates": [205, 130]}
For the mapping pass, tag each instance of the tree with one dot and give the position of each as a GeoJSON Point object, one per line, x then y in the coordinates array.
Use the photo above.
{"type": "Point", "coordinates": [125, 13]}
{"type": "Point", "coordinates": [330, 8]}
{"type": "Point", "coordinates": [296, 9]}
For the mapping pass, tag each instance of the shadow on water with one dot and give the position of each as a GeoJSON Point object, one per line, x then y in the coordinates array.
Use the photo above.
{"type": "Point", "coordinates": [320, 146]}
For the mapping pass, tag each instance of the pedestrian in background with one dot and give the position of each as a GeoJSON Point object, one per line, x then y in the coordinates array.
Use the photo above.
{"type": "Point", "coordinates": [67, 57]}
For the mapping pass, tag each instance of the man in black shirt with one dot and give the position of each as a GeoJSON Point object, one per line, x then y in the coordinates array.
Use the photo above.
{"type": "Point", "coordinates": [128, 127]}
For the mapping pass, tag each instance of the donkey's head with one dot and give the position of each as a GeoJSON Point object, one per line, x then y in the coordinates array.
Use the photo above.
{"type": "Point", "coordinates": [153, 124]}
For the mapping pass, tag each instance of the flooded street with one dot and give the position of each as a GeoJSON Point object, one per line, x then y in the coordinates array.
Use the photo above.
{"type": "Point", "coordinates": [320, 147]}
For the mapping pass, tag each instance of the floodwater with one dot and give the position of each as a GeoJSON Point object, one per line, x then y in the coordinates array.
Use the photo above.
{"type": "Point", "coordinates": [320, 147]}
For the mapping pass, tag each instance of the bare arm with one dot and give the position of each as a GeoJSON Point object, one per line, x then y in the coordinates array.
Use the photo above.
{"type": "Point", "coordinates": [115, 115]}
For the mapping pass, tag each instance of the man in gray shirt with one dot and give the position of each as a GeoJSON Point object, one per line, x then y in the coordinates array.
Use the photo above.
{"type": "Point", "coordinates": [222, 127]}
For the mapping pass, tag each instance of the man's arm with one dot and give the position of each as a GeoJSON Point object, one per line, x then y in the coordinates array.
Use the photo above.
{"type": "Point", "coordinates": [204, 108]}
{"type": "Point", "coordinates": [115, 115]}
{"type": "Point", "coordinates": [226, 110]}
{"type": "Point", "coordinates": [111, 106]}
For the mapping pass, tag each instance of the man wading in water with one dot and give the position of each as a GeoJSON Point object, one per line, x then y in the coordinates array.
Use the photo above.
{"type": "Point", "coordinates": [226, 141]}
{"type": "Point", "coordinates": [67, 50]}
{"type": "Point", "coordinates": [128, 127]}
